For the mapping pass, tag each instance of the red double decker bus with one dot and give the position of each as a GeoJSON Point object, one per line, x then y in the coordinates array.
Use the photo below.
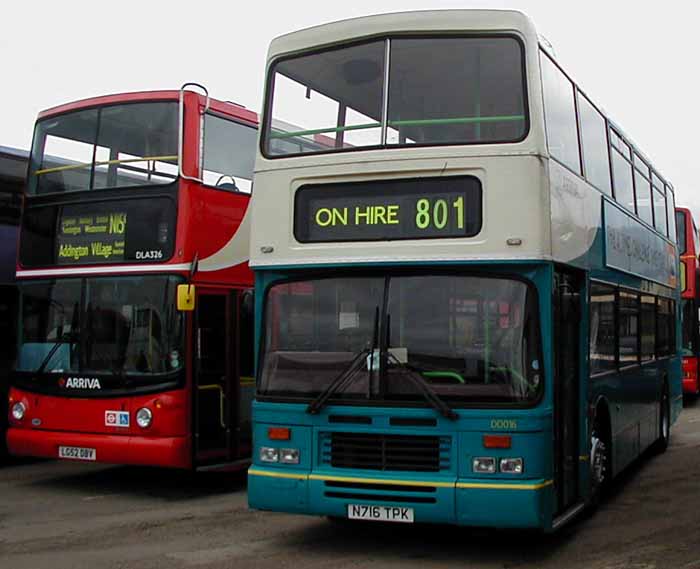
{"type": "Point", "coordinates": [135, 334]}
{"type": "Point", "coordinates": [689, 247]}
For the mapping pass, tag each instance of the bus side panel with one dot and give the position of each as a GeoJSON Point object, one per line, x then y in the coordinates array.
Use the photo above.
{"type": "Point", "coordinates": [577, 228]}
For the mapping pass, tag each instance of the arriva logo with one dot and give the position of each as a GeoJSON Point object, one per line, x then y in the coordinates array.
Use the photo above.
{"type": "Point", "coordinates": [80, 383]}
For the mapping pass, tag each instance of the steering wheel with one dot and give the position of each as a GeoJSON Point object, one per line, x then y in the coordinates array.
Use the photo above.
{"type": "Point", "coordinates": [227, 186]}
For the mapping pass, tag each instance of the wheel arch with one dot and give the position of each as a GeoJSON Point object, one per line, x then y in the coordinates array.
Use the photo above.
{"type": "Point", "coordinates": [601, 412]}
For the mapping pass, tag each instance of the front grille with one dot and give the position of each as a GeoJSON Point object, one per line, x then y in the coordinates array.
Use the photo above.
{"type": "Point", "coordinates": [376, 451]}
{"type": "Point", "coordinates": [382, 498]}
{"type": "Point", "coordinates": [376, 492]}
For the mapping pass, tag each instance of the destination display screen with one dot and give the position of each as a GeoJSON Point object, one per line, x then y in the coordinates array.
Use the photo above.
{"type": "Point", "coordinates": [122, 230]}
{"type": "Point", "coordinates": [422, 208]}
{"type": "Point", "coordinates": [90, 238]}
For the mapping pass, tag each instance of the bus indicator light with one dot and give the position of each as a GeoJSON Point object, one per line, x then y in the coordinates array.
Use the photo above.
{"type": "Point", "coordinates": [279, 433]}
{"type": "Point", "coordinates": [496, 441]}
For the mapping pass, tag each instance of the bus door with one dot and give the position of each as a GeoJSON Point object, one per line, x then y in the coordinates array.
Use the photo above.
{"type": "Point", "coordinates": [215, 377]}
{"type": "Point", "coordinates": [567, 322]}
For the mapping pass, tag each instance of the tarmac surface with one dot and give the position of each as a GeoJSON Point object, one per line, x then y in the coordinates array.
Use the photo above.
{"type": "Point", "coordinates": [72, 515]}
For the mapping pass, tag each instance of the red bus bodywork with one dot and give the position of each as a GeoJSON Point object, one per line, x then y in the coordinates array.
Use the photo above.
{"type": "Point", "coordinates": [209, 221]}
{"type": "Point", "coordinates": [688, 245]}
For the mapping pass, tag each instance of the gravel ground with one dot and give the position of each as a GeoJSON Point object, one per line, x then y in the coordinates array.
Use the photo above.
{"type": "Point", "coordinates": [68, 515]}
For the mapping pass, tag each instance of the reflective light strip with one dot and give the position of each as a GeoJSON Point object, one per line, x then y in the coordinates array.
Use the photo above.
{"type": "Point", "coordinates": [351, 479]}
{"type": "Point", "coordinates": [69, 271]}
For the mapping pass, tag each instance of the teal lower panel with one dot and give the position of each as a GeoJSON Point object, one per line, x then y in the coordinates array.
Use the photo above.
{"type": "Point", "coordinates": [504, 508]}
{"type": "Point", "coordinates": [278, 494]}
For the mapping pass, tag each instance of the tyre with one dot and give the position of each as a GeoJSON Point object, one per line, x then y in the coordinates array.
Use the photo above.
{"type": "Point", "coordinates": [599, 460]}
{"type": "Point", "coordinates": [661, 443]}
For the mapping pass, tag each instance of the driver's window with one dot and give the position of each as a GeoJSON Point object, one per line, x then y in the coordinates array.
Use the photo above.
{"type": "Point", "coordinates": [229, 154]}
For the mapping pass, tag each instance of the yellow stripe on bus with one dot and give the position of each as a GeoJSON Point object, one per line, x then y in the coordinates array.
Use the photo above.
{"type": "Point", "coordinates": [493, 486]}
{"type": "Point", "coordinates": [278, 474]}
{"type": "Point", "coordinates": [422, 483]}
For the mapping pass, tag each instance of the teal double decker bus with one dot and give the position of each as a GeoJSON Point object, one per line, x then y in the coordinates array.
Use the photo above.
{"type": "Point", "coordinates": [466, 279]}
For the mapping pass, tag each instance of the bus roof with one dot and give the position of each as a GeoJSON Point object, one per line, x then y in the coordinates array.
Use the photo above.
{"type": "Point", "coordinates": [224, 107]}
{"type": "Point", "coordinates": [13, 165]}
{"type": "Point", "coordinates": [403, 22]}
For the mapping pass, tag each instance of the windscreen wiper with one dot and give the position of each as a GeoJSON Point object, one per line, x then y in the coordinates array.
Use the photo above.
{"type": "Point", "coordinates": [348, 373]}
{"type": "Point", "coordinates": [417, 379]}
{"type": "Point", "coordinates": [62, 339]}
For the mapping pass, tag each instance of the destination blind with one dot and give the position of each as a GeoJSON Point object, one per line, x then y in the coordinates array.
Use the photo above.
{"type": "Point", "coordinates": [91, 237]}
{"type": "Point", "coordinates": [422, 208]}
{"type": "Point", "coordinates": [138, 229]}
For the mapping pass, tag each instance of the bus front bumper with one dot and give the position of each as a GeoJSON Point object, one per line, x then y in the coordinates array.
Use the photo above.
{"type": "Point", "coordinates": [691, 385]}
{"type": "Point", "coordinates": [468, 502]}
{"type": "Point", "coordinates": [171, 452]}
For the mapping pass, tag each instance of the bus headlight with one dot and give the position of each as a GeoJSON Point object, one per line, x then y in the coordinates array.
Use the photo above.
{"type": "Point", "coordinates": [484, 465]}
{"type": "Point", "coordinates": [289, 455]}
{"type": "Point", "coordinates": [18, 411]}
{"type": "Point", "coordinates": [511, 465]}
{"type": "Point", "coordinates": [144, 417]}
{"type": "Point", "coordinates": [269, 454]}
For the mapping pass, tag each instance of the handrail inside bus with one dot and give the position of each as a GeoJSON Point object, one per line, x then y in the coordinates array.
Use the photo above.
{"type": "Point", "coordinates": [460, 379]}
{"type": "Point", "coordinates": [399, 123]}
{"type": "Point", "coordinates": [222, 396]}
{"type": "Point", "coordinates": [447, 374]}
{"type": "Point", "coordinates": [104, 163]}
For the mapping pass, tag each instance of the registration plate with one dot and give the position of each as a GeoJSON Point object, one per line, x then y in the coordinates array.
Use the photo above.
{"type": "Point", "coordinates": [380, 513]}
{"type": "Point", "coordinates": [77, 453]}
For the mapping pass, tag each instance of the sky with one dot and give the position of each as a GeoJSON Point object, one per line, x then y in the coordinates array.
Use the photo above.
{"type": "Point", "coordinates": [635, 60]}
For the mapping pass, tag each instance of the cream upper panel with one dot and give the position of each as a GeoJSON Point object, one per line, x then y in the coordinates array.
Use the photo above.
{"type": "Point", "coordinates": [515, 201]}
{"type": "Point", "coordinates": [515, 205]}
{"type": "Point", "coordinates": [403, 23]}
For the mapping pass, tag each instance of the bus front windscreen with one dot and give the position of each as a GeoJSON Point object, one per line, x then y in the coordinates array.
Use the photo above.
{"type": "Point", "coordinates": [439, 90]}
{"type": "Point", "coordinates": [689, 327]}
{"type": "Point", "coordinates": [680, 228]}
{"type": "Point", "coordinates": [470, 339]}
{"type": "Point", "coordinates": [116, 146]}
{"type": "Point", "coordinates": [126, 330]}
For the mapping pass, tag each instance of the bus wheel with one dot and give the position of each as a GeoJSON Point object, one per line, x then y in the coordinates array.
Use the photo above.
{"type": "Point", "coordinates": [664, 423]}
{"type": "Point", "coordinates": [599, 463]}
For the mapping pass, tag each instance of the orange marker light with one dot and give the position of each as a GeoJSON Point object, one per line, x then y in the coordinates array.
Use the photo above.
{"type": "Point", "coordinates": [279, 433]}
{"type": "Point", "coordinates": [496, 441]}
